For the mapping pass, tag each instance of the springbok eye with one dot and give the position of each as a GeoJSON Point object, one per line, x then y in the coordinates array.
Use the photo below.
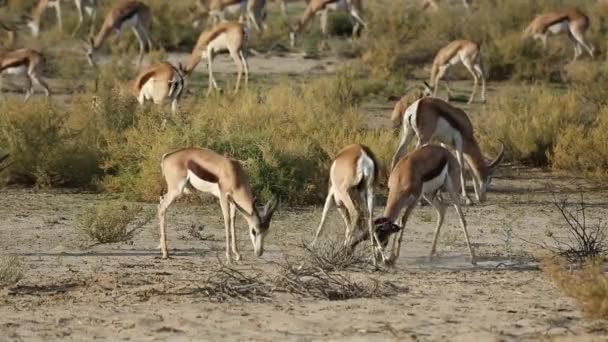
{"type": "Point", "coordinates": [253, 232]}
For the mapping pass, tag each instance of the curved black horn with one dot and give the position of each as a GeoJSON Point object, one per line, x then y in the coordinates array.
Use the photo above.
{"type": "Point", "coordinates": [499, 157]}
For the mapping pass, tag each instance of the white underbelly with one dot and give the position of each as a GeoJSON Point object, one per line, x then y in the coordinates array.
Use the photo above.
{"type": "Point", "coordinates": [444, 132]}
{"type": "Point", "coordinates": [19, 70]}
{"type": "Point", "coordinates": [236, 8]}
{"type": "Point", "coordinates": [432, 185]}
{"type": "Point", "coordinates": [130, 22]}
{"type": "Point", "coordinates": [557, 28]}
{"type": "Point", "coordinates": [455, 60]}
{"type": "Point", "coordinates": [202, 185]}
{"type": "Point", "coordinates": [220, 43]}
{"type": "Point", "coordinates": [338, 6]}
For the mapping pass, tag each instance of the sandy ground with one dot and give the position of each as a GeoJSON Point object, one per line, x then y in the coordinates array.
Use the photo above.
{"type": "Point", "coordinates": [123, 291]}
{"type": "Point", "coordinates": [73, 291]}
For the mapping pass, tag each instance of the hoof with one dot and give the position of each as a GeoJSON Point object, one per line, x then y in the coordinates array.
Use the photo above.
{"type": "Point", "coordinates": [237, 257]}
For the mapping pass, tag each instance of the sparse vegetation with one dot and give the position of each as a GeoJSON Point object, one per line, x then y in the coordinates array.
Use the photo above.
{"type": "Point", "coordinates": [587, 285]}
{"type": "Point", "coordinates": [109, 222]}
{"type": "Point", "coordinates": [10, 269]}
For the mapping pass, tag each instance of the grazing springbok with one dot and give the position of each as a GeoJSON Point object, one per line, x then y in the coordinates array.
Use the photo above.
{"type": "Point", "coordinates": [158, 82]}
{"type": "Point", "coordinates": [422, 173]}
{"type": "Point", "coordinates": [231, 36]}
{"type": "Point", "coordinates": [206, 171]}
{"type": "Point", "coordinates": [571, 21]}
{"type": "Point", "coordinates": [82, 6]}
{"type": "Point", "coordinates": [351, 184]}
{"type": "Point", "coordinates": [27, 62]}
{"type": "Point", "coordinates": [125, 14]}
{"type": "Point", "coordinates": [253, 10]}
{"type": "Point", "coordinates": [466, 52]}
{"type": "Point", "coordinates": [430, 118]}
{"type": "Point", "coordinates": [321, 7]}
{"type": "Point", "coordinates": [432, 5]}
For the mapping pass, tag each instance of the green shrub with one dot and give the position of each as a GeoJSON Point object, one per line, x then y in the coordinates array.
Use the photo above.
{"type": "Point", "coordinates": [583, 148]}
{"type": "Point", "coordinates": [44, 150]}
{"type": "Point", "coordinates": [108, 222]}
{"type": "Point", "coordinates": [285, 136]}
{"type": "Point", "coordinates": [529, 120]}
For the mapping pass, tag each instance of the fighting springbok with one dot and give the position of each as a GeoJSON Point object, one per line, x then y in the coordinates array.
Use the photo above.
{"type": "Point", "coordinates": [466, 52]}
{"type": "Point", "coordinates": [27, 62]}
{"type": "Point", "coordinates": [125, 14]}
{"type": "Point", "coordinates": [351, 183]}
{"type": "Point", "coordinates": [231, 36]}
{"type": "Point", "coordinates": [82, 6]}
{"type": "Point", "coordinates": [158, 82]}
{"type": "Point", "coordinates": [321, 7]}
{"type": "Point", "coordinates": [206, 171]}
{"type": "Point", "coordinates": [430, 118]}
{"type": "Point", "coordinates": [571, 21]}
{"type": "Point", "coordinates": [422, 173]}
{"type": "Point", "coordinates": [253, 10]}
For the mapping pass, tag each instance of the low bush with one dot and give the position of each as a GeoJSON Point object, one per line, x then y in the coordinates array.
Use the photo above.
{"type": "Point", "coordinates": [587, 285]}
{"type": "Point", "coordinates": [530, 120]}
{"type": "Point", "coordinates": [108, 222]}
{"type": "Point", "coordinates": [44, 150]}
{"type": "Point", "coordinates": [10, 269]}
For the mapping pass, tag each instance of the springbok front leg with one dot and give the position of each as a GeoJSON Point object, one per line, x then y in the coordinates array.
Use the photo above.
{"type": "Point", "coordinates": [235, 245]}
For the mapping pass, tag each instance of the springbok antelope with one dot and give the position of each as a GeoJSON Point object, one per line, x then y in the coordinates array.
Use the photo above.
{"type": "Point", "coordinates": [351, 183]}
{"type": "Point", "coordinates": [422, 173]}
{"type": "Point", "coordinates": [231, 36]}
{"type": "Point", "coordinates": [571, 21]}
{"type": "Point", "coordinates": [433, 6]}
{"type": "Point", "coordinates": [253, 10]}
{"type": "Point", "coordinates": [430, 118]}
{"type": "Point", "coordinates": [26, 62]}
{"type": "Point", "coordinates": [82, 6]}
{"type": "Point", "coordinates": [158, 82]}
{"type": "Point", "coordinates": [208, 172]}
{"type": "Point", "coordinates": [125, 14]}
{"type": "Point", "coordinates": [321, 7]}
{"type": "Point", "coordinates": [466, 52]}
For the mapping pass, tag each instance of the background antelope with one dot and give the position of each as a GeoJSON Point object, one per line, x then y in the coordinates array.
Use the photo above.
{"type": "Point", "coordinates": [351, 184]}
{"type": "Point", "coordinates": [571, 21]}
{"type": "Point", "coordinates": [466, 52]}
{"type": "Point", "coordinates": [224, 178]}
{"type": "Point", "coordinates": [126, 14]}
{"type": "Point", "coordinates": [422, 173]}
{"type": "Point", "coordinates": [252, 10]}
{"type": "Point", "coordinates": [27, 62]}
{"type": "Point", "coordinates": [431, 118]}
{"type": "Point", "coordinates": [231, 36]}
{"type": "Point", "coordinates": [82, 6]}
{"type": "Point", "coordinates": [321, 7]}
{"type": "Point", "coordinates": [158, 82]}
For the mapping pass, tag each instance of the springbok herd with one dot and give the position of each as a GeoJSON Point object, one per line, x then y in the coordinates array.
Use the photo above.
{"type": "Point", "coordinates": [423, 172]}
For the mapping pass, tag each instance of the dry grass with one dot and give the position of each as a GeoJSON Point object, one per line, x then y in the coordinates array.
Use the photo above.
{"type": "Point", "coordinates": [10, 269]}
{"type": "Point", "coordinates": [109, 222]}
{"type": "Point", "coordinates": [587, 285]}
